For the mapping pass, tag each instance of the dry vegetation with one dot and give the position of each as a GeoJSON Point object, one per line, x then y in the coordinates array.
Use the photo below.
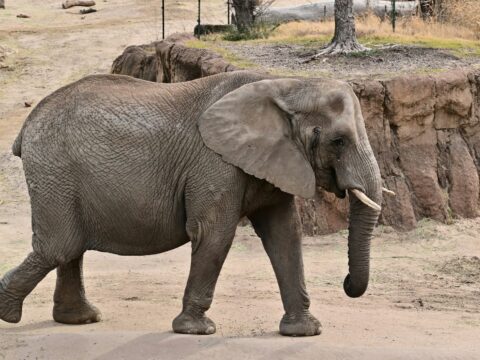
{"type": "Point", "coordinates": [372, 25]}
{"type": "Point", "coordinates": [464, 12]}
{"type": "Point", "coordinates": [459, 19]}
{"type": "Point", "coordinates": [372, 30]}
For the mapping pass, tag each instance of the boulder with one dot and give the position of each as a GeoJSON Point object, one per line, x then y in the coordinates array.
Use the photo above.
{"type": "Point", "coordinates": [137, 61]}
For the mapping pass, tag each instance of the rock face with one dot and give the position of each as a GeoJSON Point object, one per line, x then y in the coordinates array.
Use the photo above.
{"type": "Point", "coordinates": [169, 61]}
{"type": "Point", "coordinates": [424, 130]}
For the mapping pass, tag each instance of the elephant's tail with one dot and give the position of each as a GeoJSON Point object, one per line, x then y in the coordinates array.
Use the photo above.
{"type": "Point", "coordinates": [17, 145]}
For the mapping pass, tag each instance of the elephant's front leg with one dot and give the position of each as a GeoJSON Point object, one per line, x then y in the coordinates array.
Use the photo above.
{"type": "Point", "coordinates": [209, 250]}
{"type": "Point", "coordinates": [279, 228]}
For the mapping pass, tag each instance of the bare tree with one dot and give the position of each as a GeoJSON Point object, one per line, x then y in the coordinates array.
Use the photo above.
{"type": "Point", "coordinates": [344, 40]}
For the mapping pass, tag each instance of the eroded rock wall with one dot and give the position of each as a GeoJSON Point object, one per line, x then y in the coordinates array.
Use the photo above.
{"type": "Point", "coordinates": [425, 132]}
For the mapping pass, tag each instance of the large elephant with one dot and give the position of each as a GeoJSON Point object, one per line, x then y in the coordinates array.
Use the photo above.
{"type": "Point", "coordinates": [131, 167]}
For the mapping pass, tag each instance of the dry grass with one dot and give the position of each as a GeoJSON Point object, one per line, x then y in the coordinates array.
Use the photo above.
{"type": "Point", "coordinates": [465, 13]}
{"type": "Point", "coordinates": [371, 25]}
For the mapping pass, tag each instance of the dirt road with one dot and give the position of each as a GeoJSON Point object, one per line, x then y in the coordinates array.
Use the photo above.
{"type": "Point", "coordinates": [424, 298]}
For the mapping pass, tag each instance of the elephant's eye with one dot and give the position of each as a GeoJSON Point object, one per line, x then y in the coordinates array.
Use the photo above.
{"type": "Point", "coordinates": [316, 138]}
{"type": "Point", "coordinates": [338, 142]}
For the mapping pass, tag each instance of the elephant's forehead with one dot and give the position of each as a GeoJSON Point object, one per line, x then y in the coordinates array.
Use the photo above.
{"type": "Point", "coordinates": [336, 105]}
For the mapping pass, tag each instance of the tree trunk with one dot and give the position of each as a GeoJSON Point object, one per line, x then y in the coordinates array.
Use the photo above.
{"type": "Point", "coordinates": [244, 14]}
{"type": "Point", "coordinates": [439, 10]}
{"type": "Point", "coordinates": [426, 8]}
{"type": "Point", "coordinates": [2, 4]}
{"type": "Point", "coordinates": [345, 40]}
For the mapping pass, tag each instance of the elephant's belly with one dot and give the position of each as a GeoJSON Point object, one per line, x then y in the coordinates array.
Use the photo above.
{"type": "Point", "coordinates": [145, 241]}
{"type": "Point", "coordinates": [136, 228]}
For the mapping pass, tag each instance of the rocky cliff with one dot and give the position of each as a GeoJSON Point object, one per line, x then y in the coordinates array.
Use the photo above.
{"type": "Point", "coordinates": [425, 132]}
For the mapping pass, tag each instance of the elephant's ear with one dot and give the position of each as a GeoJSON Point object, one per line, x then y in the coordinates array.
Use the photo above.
{"type": "Point", "coordinates": [250, 128]}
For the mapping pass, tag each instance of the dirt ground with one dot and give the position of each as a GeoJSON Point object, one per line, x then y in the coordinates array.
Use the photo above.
{"type": "Point", "coordinates": [424, 297]}
{"type": "Point", "coordinates": [383, 61]}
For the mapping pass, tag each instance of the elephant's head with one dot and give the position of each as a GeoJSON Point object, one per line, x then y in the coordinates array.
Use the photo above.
{"type": "Point", "coordinates": [300, 135]}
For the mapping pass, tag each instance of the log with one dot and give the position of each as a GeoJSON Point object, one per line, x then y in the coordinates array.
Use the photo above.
{"type": "Point", "coordinates": [87, 11]}
{"type": "Point", "coordinates": [71, 3]}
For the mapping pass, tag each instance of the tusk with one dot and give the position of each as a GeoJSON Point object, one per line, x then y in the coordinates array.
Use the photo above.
{"type": "Point", "coordinates": [366, 200]}
{"type": "Point", "coordinates": [389, 192]}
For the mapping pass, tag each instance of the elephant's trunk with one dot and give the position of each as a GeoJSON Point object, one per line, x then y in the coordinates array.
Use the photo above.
{"type": "Point", "coordinates": [362, 223]}
{"type": "Point", "coordinates": [364, 212]}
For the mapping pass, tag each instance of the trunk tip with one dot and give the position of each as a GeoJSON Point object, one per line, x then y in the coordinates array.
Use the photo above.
{"type": "Point", "coordinates": [354, 290]}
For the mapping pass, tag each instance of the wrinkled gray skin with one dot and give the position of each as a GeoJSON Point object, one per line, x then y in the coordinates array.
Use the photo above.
{"type": "Point", "coordinates": [131, 167]}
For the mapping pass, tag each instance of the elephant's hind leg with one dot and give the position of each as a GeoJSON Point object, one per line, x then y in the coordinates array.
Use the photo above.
{"type": "Point", "coordinates": [71, 305]}
{"type": "Point", "coordinates": [19, 282]}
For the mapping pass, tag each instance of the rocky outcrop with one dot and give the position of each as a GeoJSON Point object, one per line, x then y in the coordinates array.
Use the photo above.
{"type": "Point", "coordinates": [169, 61]}
{"type": "Point", "coordinates": [425, 132]}
{"type": "Point", "coordinates": [138, 61]}
{"type": "Point", "coordinates": [423, 147]}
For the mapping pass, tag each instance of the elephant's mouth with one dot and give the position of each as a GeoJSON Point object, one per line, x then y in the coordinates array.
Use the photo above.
{"type": "Point", "coordinates": [339, 193]}
{"type": "Point", "coordinates": [354, 190]}
{"type": "Point", "coordinates": [332, 185]}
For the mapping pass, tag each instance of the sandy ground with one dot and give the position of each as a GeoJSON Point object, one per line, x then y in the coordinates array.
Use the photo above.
{"type": "Point", "coordinates": [424, 298]}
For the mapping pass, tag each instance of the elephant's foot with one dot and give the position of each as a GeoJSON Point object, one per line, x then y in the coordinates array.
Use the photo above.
{"type": "Point", "coordinates": [189, 324]}
{"type": "Point", "coordinates": [10, 307]}
{"type": "Point", "coordinates": [76, 313]}
{"type": "Point", "coordinates": [304, 324]}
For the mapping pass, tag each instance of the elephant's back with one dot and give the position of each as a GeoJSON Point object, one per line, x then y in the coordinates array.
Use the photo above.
{"type": "Point", "coordinates": [104, 113]}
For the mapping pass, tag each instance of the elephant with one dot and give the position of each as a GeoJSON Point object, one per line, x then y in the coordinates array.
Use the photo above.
{"type": "Point", "coordinates": [131, 167]}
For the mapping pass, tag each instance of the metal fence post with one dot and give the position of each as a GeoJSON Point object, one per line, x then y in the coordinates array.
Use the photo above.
{"type": "Point", "coordinates": [228, 12]}
{"type": "Point", "coordinates": [163, 19]}
{"type": "Point", "coordinates": [394, 14]}
{"type": "Point", "coordinates": [198, 21]}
